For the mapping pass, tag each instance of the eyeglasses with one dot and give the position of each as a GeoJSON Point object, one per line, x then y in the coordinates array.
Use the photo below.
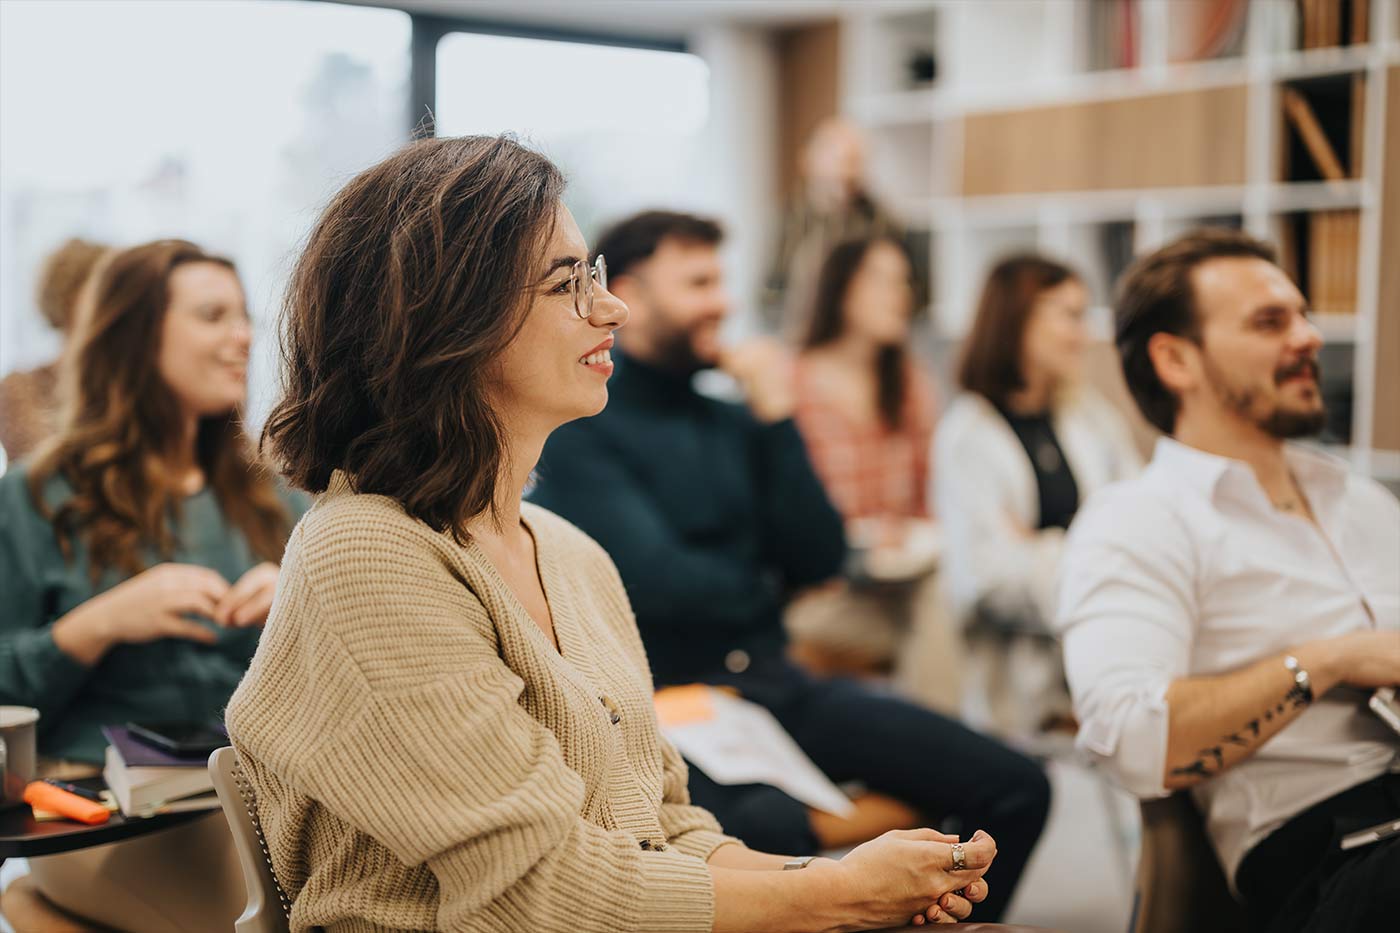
{"type": "Point", "coordinates": [581, 284]}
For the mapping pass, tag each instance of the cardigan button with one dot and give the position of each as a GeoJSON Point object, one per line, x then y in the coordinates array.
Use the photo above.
{"type": "Point", "coordinates": [737, 661]}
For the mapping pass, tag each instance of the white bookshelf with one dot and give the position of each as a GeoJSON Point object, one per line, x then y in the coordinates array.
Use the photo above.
{"type": "Point", "coordinates": [1019, 54]}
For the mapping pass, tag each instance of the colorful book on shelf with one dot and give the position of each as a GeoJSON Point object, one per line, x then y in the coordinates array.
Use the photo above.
{"type": "Point", "coordinates": [1300, 113]}
{"type": "Point", "coordinates": [1360, 22]}
{"type": "Point", "coordinates": [1321, 23]}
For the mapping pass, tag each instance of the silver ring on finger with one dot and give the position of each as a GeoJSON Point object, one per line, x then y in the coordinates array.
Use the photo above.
{"type": "Point", "coordinates": [959, 857]}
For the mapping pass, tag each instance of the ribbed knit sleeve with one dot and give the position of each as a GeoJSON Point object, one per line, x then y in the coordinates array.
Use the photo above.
{"type": "Point", "coordinates": [395, 712]}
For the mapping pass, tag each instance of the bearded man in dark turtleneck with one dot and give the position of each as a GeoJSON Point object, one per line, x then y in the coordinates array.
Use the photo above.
{"type": "Point", "coordinates": [714, 517]}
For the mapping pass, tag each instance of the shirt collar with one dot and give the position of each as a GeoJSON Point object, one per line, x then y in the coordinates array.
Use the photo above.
{"type": "Point", "coordinates": [1322, 476]}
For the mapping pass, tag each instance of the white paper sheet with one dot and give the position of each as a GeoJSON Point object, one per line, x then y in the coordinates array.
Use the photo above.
{"type": "Point", "coordinates": [744, 744]}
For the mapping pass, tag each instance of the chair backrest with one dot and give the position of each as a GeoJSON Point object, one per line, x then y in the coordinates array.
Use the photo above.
{"type": "Point", "coordinates": [1180, 884]}
{"type": "Point", "coordinates": [268, 905]}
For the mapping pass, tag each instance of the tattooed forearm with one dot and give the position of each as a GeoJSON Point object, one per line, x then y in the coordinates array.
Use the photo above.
{"type": "Point", "coordinates": [1211, 761]}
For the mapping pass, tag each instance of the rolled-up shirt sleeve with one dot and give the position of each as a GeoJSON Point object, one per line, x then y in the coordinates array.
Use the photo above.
{"type": "Point", "coordinates": [1126, 614]}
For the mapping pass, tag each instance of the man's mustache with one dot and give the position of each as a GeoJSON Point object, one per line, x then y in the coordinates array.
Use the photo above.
{"type": "Point", "coordinates": [1307, 366]}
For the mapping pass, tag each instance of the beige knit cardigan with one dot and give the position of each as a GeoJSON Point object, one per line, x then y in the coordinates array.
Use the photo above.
{"type": "Point", "coordinates": [424, 758]}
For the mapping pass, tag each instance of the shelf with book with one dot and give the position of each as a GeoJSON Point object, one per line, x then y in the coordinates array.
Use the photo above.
{"type": "Point", "coordinates": [1285, 131]}
{"type": "Point", "coordinates": [1322, 126]}
{"type": "Point", "coordinates": [1326, 24]}
{"type": "Point", "coordinates": [1321, 251]}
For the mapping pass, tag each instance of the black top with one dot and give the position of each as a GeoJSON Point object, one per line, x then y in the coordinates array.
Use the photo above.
{"type": "Point", "coordinates": [1059, 493]}
{"type": "Point", "coordinates": [711, 517]}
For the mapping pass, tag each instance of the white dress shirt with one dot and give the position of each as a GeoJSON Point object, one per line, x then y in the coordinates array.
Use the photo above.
{"type": "Point", "coordinates": [1189, 569]}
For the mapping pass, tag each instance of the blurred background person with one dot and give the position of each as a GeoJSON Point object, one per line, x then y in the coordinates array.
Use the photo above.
{"type": "Point", "coordinates": [832, 204]}
{"type": "Point", "coordinates": [146, 510]}
{"type": "Point", "coordinates": [139, 550]}
{"type": "Point", "coordinates": [865, 407]}
{"type": "Point", "coordinates": [1017, 452]}
{"type": "Point", "coordinates": [29, 399]}
{"type": "Point", "coordinates": [714, 517]}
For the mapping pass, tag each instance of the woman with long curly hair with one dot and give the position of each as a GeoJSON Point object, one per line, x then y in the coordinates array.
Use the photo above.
{"type": "Point", "coordinates": [139, 547]}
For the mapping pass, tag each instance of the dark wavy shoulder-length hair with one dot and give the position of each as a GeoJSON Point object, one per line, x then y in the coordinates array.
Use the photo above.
{"type": "Point", "coordinates": [412, 282]}
{"type": "Point", "coordinates": [828, 321]}
{"type": "Point", "coordinates": [120, 428]}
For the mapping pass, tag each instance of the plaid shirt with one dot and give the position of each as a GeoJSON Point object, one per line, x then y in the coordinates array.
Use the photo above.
{"type": "Point", "coordinates": [868, 469]}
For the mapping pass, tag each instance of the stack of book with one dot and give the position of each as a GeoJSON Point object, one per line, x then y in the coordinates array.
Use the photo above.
{"type": "Point", "coordinates": [147, 781]}
{"type": "Point", "coordinates": [1334, 241]}
{"type": "Point", "coordinates": [1326, 23]}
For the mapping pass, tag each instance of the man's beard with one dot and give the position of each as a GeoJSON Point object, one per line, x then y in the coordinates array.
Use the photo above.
{"type": "Point", "coordinates": [675, 353]}
{"type": "Point", "coordinates": [1280, 422]}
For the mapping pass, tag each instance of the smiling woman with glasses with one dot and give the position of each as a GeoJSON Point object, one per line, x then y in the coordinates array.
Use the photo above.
{"type": "Point", "coordinates": [448, 724]}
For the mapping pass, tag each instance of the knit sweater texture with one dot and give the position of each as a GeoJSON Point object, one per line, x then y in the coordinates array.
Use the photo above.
{"type": "Point", "coordinates": [425, 759]}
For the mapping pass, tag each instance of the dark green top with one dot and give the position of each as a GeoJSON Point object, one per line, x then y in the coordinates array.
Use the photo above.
{"type": "Point", "coordinates": [161, 680]}
{"type": "Point", "coordinates": [711, 517]}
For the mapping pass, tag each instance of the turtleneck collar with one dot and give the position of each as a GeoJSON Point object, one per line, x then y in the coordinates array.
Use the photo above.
{"type": "Point", "coordinates": [644, 381]}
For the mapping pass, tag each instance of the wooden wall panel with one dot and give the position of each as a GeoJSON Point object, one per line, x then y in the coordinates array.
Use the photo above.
{"type": "Point", "coordinates": [808, 90]}
{"type": "Point", "coordinates": [1385, 424]}
{"type": "Point", "coordinates": [1166, 140]}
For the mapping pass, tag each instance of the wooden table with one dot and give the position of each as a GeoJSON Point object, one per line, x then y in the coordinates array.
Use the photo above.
{"type": "Point", "coordinates": [21, 836]}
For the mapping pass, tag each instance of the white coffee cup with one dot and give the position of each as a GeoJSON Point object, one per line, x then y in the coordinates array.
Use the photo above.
{"type": "Point", "coordinates": [18, 752]}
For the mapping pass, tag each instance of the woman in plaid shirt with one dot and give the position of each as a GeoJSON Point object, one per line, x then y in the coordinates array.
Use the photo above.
{"type": "Point", "coordinates": [866, 410]}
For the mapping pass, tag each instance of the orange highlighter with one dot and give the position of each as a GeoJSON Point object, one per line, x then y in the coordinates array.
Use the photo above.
{"type": "Point", "coordinates": [43, 796]}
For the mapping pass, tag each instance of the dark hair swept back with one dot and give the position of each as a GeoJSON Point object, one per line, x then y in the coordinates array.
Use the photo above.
{"type": "Point", "coordinates": [631, 241]}
{"type": "Point", "coordinates": [991, 358]}
{"type": "Point", "coordinates": [828, 319]}
{"type": "Point", "coordinates": [1156, 296]}
{"type": "Point", "coordinates": [412, 282]}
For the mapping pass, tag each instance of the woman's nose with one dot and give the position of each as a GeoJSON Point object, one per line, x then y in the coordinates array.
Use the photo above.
{"type": "Point", "coordinates": [608, 310]}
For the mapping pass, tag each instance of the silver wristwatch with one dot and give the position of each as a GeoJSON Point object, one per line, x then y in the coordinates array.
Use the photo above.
{"type": "Point", "coordinates": [1302, 683]}
{"type": "Point", "coordinates": [796, 863]}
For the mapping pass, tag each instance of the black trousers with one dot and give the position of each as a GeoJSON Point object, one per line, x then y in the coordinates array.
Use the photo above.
{"type": "Point", "coordinates": [1298, 880]}
{"type": "Point", "coordinates": [959, 780]}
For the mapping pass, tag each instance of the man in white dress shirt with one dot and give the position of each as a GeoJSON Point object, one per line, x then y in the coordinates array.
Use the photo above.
{"type": "Point", "coordinates": [1226, 614]}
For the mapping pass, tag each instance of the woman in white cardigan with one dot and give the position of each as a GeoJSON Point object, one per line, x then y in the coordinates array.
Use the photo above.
{"type": "Point", "coordinates": [1016, 453]}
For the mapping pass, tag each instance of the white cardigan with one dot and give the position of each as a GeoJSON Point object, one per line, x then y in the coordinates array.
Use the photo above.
{"type": "Point", "coordinates": [984, 490]}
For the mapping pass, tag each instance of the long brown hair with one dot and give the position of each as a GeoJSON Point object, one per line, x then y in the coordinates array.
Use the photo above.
{"type": "Point", "coordinates": [413, 281]}
{"type": "Point", "coordinates": [828, 322]}
{"type": "Point", "coordinates": [991, 357]}
{"type": "Point", "coordinates": [119, 427]}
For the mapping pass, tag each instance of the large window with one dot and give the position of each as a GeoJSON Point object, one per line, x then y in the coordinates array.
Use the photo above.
{"type": "Point", "coordinates": [226, 122]}
{"type": "Point", "coordinates": [623, 123]}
